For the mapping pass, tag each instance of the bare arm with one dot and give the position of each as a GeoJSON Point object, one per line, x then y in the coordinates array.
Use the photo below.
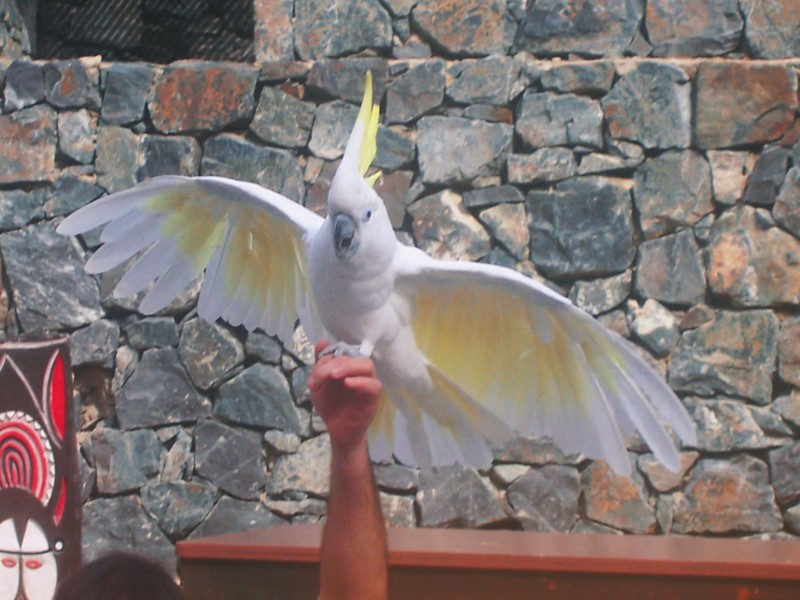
{"type": "Point", "coordinates": [353, 562]}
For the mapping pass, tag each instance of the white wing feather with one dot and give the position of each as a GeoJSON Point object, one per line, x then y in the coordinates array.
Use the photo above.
{"type": "Point", "coordinates": [536, 361]}
{"type": "Point", "coordinates": [251, 243]}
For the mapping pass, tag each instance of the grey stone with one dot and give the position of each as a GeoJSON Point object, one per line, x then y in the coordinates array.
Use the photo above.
{"type": "Point", "coordinates": [332, 124]}
{"type": "Point", "coordinates": [299, 381]}
{"type": "Point", "coordinates": [230, 515]}
{"type": "Point", "coordinates": [726, 426]}
{"type": "Point", "coordinates": [29, 138]}
{"type": "Point", "coordinates": [727, 496]}
{"type": "Point", "coordinates": [465, 27]}
{"type": "Point", "coordinates": [396, 479]}
{"type": "Point", "coordinates": [672, 191]}
{"type": "Point", "coordinates": [264, 347]}
{"type": "Point", "coordinates": [616, 500]}
{"type": "Point", "coordinates": [125, 460]}
{"type": "Point", "coordinates": [274, 31]}
{"type": "Point", "coordinates": [546, 498]}
{"type": "Point", "coordinates": [282, 120]}
{"type": "Point", "coordinates": [455, 150]}
{"type": "Point", "coordinates": [415, 92]}
{"type": "Point", "coordinates": [508, 225]}
{"type": "Point", "coordinates": [729, 114]}
{"type": "Point", "coordinates": [593, 77]}
{"type": "Point", "coordinates": [153, 332]}
{"type": "Point", "coordinates": [396, 148]}
{"type": "Point", "coordinates": [230, 458]}
{"type": "Point", "coordinates": [713, 29]}
{"type": "Point", "coordinates": [457, 497]}
{"type": "Point", "coordinates": [772, 28]}
{"type": "Point", "coordinates": [95, 344]}
{"type": "Point", "coordinates": [127, 86]}
{"type": "Point", "coordinates": [537, 450]}
{"type": "Point", "coordinates": [721, 358]}
{"type": "Point", "coordinates": [398, 511]}
{"type": "Point", "coordinates": [19, 208]}
{"type": "Point", "coordinates": [788, 407]}
{"type": "Point", "coordinates": [169, 155]}
{"type": "Point", "coordinates": [258, 397]}
{"type": "Point", "coordinates": [558, 27]}
{"type": "Point", "coordinates": [400, 8]}
{"type": "Point", "coordinates": [662, 479]}
{"type": "Point", "coordinates": [117, 158]}
{"type": "Point", "coordinates": [656, 328]}
{"type": "Point", "coordinates": [202, 96]}
{"type": "Point", "coordinates": [282, 442]}
{"type": "Point", "coordinates": [70, 192]}
{"type": "Point", "coordinates": [496, 194]}
{"type": "Point", "coordinates": [730, 171]}
{"type": "Point", "coordinates": [159, 393]}
{"type": "Point", "coordinates": [549, 119]}
{"type": "Point", "coordinates": [771, 423]}
{"type": "Point", "coordinates": [444, 229]}
{"type": "Point", "coordinates": [483, 81]}
{"type": "Point", "coordinates": [88, 476]}
{"type": "Point", "coordinates": [307, 470]}
{"type": "Point", "coordinates": [51, 288]}
{"type": "Point", "coordinates": [767, 176]}
{"type": "Point", "coordinates": [489, 112]}
{"type": "Point", "coordinates": [786, 210]}
{"type": "Point", "coordinates": [344, 78]}
{"type": "Point", "coordinates": [24, 85]}
{"type": "Point", "coordinates": [121, 524]}
{"type": "Point", "coordinates": [505, 475]}
{"type": "Point", "coordinates": [72, 83]}
{"type": "Point", "coordinates": [294, 509]}
{"type": "Point", "coordinates": [178, 462]}
{"type": "Point", "coordinates": [228, 155]}
{"type": "Point", "coordinates": [340, 27]}
{"type": "Point", "coordinates": [601, 295]}
{"type": "Point", "coordinates": [670, 270]}
{"type": "Point", "coordinates": [751, 262]}
{"type": "Point", "coordinates": [784, 466]}
{"type": "Point", "coordinates": [413, 47]}
{"type": "Point", "coordinates": [583, 228]}
{"type": "Point", "coordinates": [209, 352]}
{"type": "Point", "coordinates": [125, 362]}
{"type": "Point", "coordinates": [545, 165]}
{"type": "Point", "coordinates": [76, 135]}
{"type": "Point", "coordinates": [178, 507]}
{"type": "Point", "coordinates": [789, 351]}
{"type": "Point", "coordinates": [791, 518]}
{"type": "Point", "coordinates": [650, 105]}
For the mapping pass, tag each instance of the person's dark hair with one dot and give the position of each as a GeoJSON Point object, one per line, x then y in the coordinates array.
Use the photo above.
{"type": "Point", "coordinates": [119, 576]}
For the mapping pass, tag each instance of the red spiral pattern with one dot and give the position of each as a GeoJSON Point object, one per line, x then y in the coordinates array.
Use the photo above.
{"type": "Point", "coordinates": [25, 456]}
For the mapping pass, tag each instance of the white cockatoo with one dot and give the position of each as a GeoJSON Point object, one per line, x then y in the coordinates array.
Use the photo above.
{"type": "Point", "coordinates": [468, 353]}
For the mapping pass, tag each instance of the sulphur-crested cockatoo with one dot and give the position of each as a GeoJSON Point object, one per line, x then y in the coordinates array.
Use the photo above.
{"type": "Point", "coordinates": [468, 353]}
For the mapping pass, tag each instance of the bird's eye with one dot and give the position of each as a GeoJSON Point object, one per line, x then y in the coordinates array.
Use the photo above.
{"type": "Point", "coordinates": [367, 215]}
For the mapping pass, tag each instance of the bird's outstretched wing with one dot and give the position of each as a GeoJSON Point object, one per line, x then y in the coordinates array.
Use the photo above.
{"type": "Point", "coordinates": [251, 243]}
{"type": "Point", "coordinates": [536, 361]}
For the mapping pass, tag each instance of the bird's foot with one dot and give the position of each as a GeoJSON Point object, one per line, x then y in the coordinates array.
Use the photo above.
{"type": "Point", "coordinates": [342, 349]}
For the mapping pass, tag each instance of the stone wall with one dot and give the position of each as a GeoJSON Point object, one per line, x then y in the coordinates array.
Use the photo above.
{"type": "Point", "coordinates": [588, 147]}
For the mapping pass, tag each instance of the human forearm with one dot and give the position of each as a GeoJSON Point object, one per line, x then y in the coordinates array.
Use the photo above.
{"type": "Point", "coordinates": [354, 550]}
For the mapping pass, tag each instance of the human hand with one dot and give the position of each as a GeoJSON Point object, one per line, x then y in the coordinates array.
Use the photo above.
{"type": "Point", "coordinates": [345, 392]}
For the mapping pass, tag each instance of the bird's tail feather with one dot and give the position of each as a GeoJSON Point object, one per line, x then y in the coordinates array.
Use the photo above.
{"type": "Point", "coordinates": [437, 426]}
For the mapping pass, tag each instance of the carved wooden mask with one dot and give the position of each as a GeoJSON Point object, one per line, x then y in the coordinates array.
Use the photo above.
{"type": "Point", "coordinates": [40, 508]}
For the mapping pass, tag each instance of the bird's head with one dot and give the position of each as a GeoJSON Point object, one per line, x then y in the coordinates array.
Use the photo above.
{"type": "Point", "coordinates": [355, 210]}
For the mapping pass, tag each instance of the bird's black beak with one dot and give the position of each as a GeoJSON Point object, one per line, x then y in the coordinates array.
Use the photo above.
{"type": "Point", "coordinates": [344, 236]}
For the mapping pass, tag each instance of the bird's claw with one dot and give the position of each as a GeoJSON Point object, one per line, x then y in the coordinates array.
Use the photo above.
{"type": "Point", "coordinates": [342, 349]}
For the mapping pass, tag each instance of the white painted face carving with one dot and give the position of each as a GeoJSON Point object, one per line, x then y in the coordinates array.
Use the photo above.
{"type": "Point", "coordinates": [9, 561]}
{"type": "Point", "coordinates": [27, 566]}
